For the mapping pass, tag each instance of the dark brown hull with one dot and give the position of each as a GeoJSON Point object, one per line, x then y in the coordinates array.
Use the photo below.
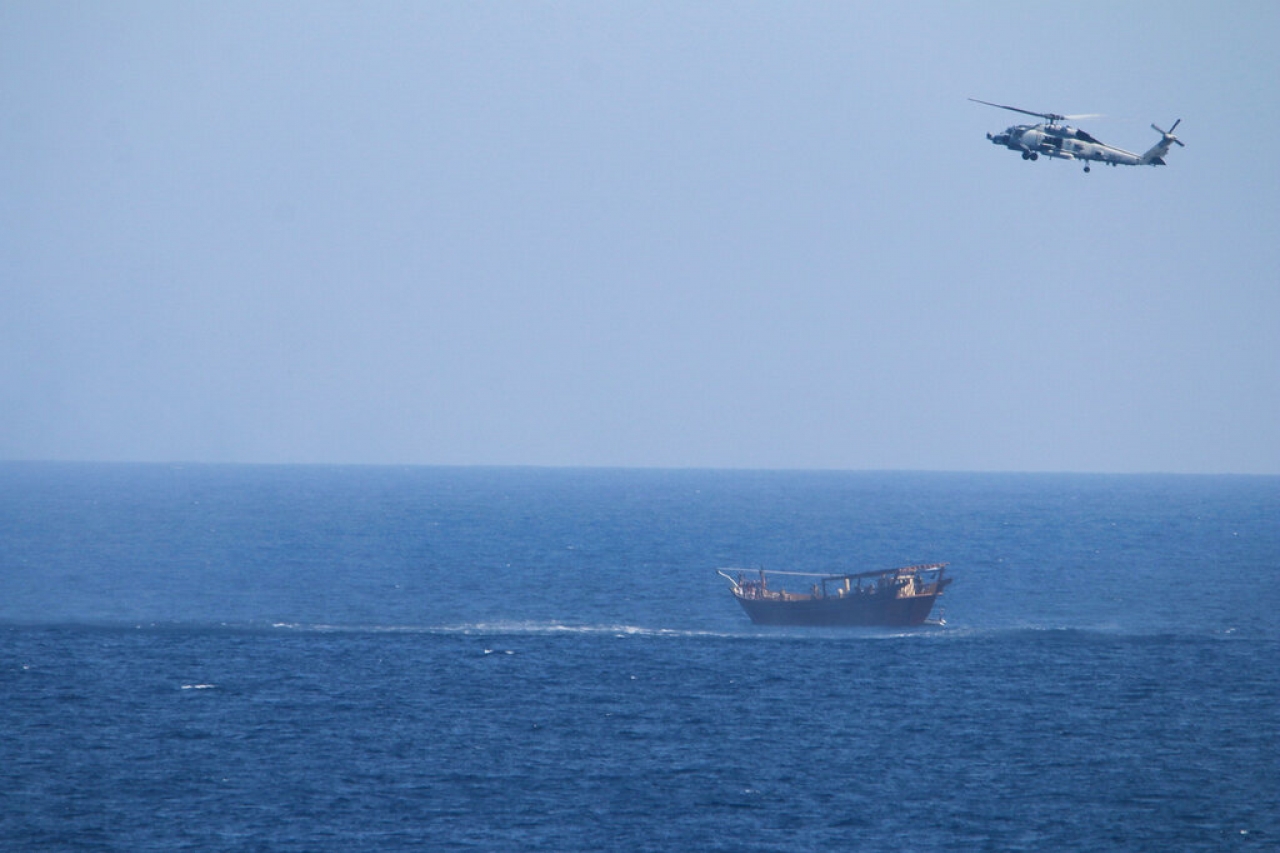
{"type": "Point", "coordinates": [840, 611]}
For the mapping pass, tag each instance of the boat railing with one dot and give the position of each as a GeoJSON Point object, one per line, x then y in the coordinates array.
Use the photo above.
{"type": "Point", "coordinates": [909, 581]}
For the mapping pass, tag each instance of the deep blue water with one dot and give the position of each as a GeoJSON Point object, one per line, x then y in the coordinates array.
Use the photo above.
{"type": "Point", "coordinates": [333, 659]}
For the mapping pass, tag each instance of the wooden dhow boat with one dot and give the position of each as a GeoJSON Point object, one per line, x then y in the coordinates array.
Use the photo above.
{"type": "Point", "coordinates": [891, 597]}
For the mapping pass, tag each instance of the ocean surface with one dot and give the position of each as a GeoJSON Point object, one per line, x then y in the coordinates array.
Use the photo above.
{"type": "Point", "coordinates": [349, 658]}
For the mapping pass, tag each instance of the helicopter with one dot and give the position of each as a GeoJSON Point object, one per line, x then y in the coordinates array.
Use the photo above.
{"type": "Point", "coordinates": [1068, 143]}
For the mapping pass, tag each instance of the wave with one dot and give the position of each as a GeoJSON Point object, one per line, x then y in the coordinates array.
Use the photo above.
{"type": "Point", "coordinates": [552, 628]}
{"type": "Point", "coordinates": [950, 632]}
{"type": "Point", "coordinates": [533, 628]}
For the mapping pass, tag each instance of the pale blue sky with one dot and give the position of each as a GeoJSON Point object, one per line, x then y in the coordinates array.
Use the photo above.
{"type": "Point", "coordinates": [641, 234]}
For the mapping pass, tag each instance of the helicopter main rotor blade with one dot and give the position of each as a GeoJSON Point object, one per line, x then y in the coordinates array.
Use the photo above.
{"type": "Point", "coordinates": [1049, 116]}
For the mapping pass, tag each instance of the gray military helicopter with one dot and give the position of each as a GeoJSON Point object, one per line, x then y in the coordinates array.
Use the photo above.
{"type": "Point", "coordinates": [1067, 143]}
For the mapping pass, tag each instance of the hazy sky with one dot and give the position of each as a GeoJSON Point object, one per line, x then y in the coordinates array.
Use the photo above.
{"type": "Point", "coordinates": [643, 234]}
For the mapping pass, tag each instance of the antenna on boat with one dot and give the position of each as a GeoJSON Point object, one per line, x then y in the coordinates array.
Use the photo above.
{"type": "Point", "coordinates": [729, 578]}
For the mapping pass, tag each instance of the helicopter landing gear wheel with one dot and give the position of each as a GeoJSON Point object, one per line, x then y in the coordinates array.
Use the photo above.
{"type": "Point", "coordinates": [1086, 168]}
{"type": "Point", "coordinates": [1035, 156]}
{"type": "Point", "coordinates": [1026, 155]}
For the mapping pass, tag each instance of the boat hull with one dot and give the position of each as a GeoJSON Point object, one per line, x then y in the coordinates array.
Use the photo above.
{"type": "Point", "coordinates": [843, 611]}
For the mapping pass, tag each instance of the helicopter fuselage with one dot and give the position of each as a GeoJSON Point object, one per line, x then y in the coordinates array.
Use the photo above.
{"type": "Point", "coordinates": [1066, 143]}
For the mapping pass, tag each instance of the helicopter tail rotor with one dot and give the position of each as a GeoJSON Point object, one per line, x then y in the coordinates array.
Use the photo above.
{"type": "Point", "coordinates": [1155, 157]}
{"type": "Point", "coordinates": [1168, 134]}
